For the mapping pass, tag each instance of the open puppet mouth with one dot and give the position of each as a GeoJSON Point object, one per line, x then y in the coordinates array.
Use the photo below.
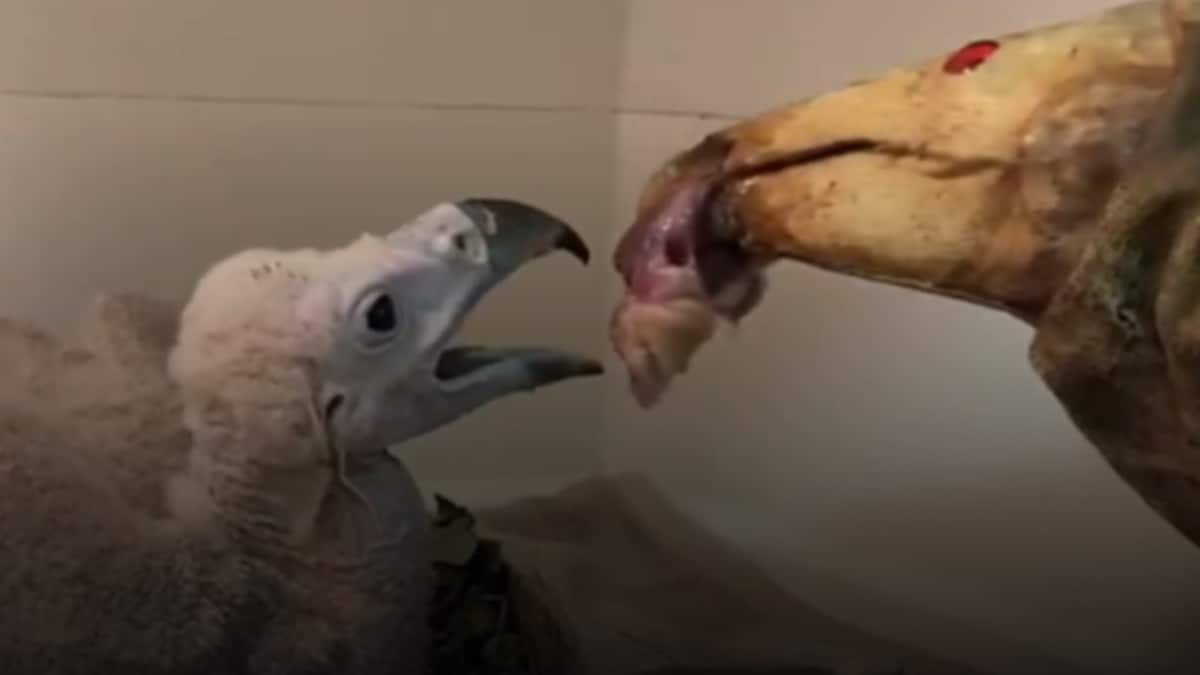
{"type": "Point", "coordinates": [685, 262]}
{"type": "Point", "coordinates": [694, 221]}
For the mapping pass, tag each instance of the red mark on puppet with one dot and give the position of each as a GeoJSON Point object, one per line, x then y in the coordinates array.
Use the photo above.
{"type": "Point", "coordinates": [970, 57]}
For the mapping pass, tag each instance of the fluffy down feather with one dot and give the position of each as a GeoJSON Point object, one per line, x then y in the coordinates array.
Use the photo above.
{"type": "Point", "coordinates": [101, 575]}
{"type": "Point", "coordinates": [208, 490]}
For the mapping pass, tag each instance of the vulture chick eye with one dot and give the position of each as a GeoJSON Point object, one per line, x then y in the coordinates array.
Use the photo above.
{"type": "Point", "coordinates": [378, 319]}
{"type": "Point", "coordinates": [381, 315]}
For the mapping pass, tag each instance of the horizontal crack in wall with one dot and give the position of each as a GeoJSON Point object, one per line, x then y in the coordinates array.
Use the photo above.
{"type": "Point", "coordinates": [387, 104]}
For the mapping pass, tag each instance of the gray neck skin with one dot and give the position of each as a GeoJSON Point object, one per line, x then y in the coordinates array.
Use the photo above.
{"type": "Point", "coordinates": [294, 509]}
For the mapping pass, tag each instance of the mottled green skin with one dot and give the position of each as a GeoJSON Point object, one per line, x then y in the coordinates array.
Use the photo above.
{"type": "Point", "coordinates": [1119, 344]}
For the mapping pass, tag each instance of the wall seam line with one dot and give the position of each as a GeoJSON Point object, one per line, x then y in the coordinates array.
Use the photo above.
{"type": "Point", "coordinates": [360, 104]}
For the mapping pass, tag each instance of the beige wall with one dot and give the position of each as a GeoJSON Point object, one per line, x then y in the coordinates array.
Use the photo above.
{"type": "Point", "coordinates": [891, 456]}
{"type": "Point", "coordinates": [850, 436]}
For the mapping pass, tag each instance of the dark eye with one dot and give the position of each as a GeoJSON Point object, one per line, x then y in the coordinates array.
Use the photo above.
{"type": "Point", "coordinates": [970, 57]}
{"type": "Point", "coordinates": [381, 314]}
{"type": "Point", "coordinates": [460, 242]}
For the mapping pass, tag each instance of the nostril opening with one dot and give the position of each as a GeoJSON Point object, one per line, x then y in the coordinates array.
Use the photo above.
{"type": "Point", "coordinates": [332, 405]}
{"type": "Point", "coordinates": [677, 250]}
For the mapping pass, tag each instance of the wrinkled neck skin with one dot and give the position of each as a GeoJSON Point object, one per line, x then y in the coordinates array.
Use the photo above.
{"type": "Point", "coordinates": [262, 472]}
{"type": "Point", "coordinates": [1120, 344]}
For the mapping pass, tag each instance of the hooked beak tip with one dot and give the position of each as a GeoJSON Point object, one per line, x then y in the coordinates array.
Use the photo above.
{"type": "Point", "coordinates": [570, 241]}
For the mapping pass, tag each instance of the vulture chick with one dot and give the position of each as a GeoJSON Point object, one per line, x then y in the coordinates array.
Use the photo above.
{"type": "Point", "coordinates": [211, 492]}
